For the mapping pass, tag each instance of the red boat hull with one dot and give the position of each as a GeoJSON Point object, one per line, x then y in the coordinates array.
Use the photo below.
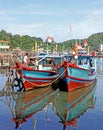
{"type": "Point", "coordinates": [31, 85]}
{"type": "Point", "coordinates": [72, 85]}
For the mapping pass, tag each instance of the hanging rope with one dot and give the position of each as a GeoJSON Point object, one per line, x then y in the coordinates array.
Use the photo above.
{"type": "Point", "coordinates": [47, 83]}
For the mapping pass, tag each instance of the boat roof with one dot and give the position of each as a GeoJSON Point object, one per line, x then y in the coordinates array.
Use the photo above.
{"type": "Point", "coordinates": [52, 56]}
{"type": "Point", "coordinates": [88, 57]}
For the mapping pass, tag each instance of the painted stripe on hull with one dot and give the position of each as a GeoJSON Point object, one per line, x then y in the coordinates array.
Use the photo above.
{"type": "Point", "coordinates": [31, 85]}
{"type": "Point", "coordinates": [35, 79]}
{"type": "Point", "coordinates": [75, 84]}
{"type": "Point", "coordinates": [81, 73]}
{"type": "Point", "coordinates": [39, 74]}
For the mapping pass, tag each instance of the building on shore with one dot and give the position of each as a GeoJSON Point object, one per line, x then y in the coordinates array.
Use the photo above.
{"type": "Point", "coordinates": [4, 53]}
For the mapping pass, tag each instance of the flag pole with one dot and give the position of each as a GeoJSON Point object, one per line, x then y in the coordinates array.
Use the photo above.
{"type": "Point", "coordinates": [70, 29]}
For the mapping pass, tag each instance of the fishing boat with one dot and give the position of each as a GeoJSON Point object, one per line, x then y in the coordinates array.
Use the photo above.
{"type": "Point", "coordinates": [70, 106]}
{"type": "Point", "coordinates": [30, 78]}
{"type": "Point", "coordinates": [79, 72]}
{"type": "Point", "coordinates": [31, 102]}
{"type": "Point", "coordinates": [48, 71]}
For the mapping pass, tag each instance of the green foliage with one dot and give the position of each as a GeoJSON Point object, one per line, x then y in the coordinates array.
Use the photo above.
{"type": "Point", "coordinates": [26, 42]}
{"type": "Point", "coordinates": [94, 41]}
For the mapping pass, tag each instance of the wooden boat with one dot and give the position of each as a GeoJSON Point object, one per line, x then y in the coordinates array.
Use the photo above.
{"type": "Point", "coordinates": [79, 74]}
{"type": "Point", "coordinates": [70, 106]}
{"type": "Point", "coordinates": [48, 72]}
{"type": "Point", "coordinates": [29, 103]}
{"type": "Point", "coordinates": [31, 78]}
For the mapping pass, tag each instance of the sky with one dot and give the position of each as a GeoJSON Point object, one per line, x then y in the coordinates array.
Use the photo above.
{"type": "Point", "coordinates": [61, 19]}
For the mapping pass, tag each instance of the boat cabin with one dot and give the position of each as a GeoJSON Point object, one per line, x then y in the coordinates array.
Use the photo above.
{"type": "Point", "coordinates": [49, 62]}
{"type": "Point", "coordinates": [87, 62]}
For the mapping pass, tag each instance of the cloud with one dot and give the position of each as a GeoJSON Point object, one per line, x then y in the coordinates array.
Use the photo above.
{"type": "Point", "coordinates": [39, 20]}
{"type": "Point", "coordinates": [4, 17]}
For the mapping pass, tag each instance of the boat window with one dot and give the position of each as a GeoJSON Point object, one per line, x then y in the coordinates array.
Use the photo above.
{"type": "Point", "coordinates": [80, 62]}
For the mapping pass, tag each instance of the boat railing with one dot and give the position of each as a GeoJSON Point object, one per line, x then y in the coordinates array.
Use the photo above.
{"type": "Point", "coordinates": [42, 58]}
{"type": "Point", "coordinates": [36, 62]}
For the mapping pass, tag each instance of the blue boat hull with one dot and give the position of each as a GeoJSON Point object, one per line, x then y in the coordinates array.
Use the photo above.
{"type": "Point", "coordinates": [77, 76]}
{"type": "Point", "coordinates": [38, 78]}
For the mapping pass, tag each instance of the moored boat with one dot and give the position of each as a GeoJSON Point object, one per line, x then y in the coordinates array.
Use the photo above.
{"type": "Point", "coordinates": [49, 71]}
{"type": "Point", "coordinates": [80, 73]}
{"type": "Point", "coordinates": [31, 78]}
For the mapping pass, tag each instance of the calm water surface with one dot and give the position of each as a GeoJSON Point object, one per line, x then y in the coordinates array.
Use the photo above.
{"type": "Point", "coordinates": [45, 109]}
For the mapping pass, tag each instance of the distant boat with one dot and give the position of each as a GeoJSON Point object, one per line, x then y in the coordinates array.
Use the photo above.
{"type": "Point", "coordinates": [70, 106]}
{"type": "Point", "coordinates": [82, 52]}
{"type": "Point", "coordinates": [79, 73]}
{"type": "Point", "coordinates": [29, 103]}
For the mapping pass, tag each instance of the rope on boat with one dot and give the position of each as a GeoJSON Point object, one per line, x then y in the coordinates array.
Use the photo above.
{"type": "Point", "coordinates": [13, 77]}
{"type": "Point", "coordinates": [48, 83]}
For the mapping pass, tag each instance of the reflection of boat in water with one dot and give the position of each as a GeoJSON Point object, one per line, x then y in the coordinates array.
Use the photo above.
{"type": "Point", "coordinates": [71, 105]}
{"type": "Point", "coordinates": [29, 103]}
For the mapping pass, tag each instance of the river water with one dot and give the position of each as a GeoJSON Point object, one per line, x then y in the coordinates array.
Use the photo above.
{"type": "Point", "coordinates": [48, 109]}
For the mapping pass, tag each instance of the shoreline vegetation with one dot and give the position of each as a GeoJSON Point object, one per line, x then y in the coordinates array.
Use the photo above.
{"type": "Point", "coordinates": [28, 43]}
